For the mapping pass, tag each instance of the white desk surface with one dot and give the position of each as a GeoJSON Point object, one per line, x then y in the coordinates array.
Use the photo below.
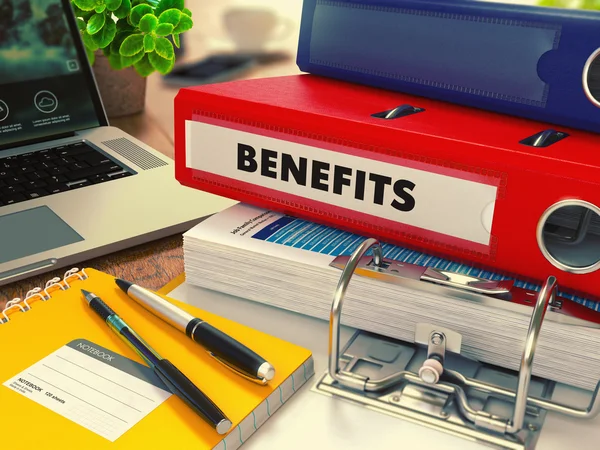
{"type": "Point", "coordinates": [328, 423]}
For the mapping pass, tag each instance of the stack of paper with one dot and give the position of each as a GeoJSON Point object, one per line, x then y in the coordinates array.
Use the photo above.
{"type": "Point", "coordinates": [285, 262]}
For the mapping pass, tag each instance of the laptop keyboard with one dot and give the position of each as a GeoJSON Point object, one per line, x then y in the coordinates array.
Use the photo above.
{"type": "Point", "coordinates": [47, 172]}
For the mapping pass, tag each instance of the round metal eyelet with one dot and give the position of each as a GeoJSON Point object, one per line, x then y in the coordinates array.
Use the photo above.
{"type": "Point", "coordinates": [568, 235]}
{"type": "Point", "coordinates": [591, 78]}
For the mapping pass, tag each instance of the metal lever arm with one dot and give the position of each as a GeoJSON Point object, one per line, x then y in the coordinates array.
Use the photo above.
{"type": "Point", "coordinates": [336, 311]}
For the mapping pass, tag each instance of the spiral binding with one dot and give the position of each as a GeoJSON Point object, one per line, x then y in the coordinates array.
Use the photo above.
{"type": "Point", "coordinates": [23, 305]}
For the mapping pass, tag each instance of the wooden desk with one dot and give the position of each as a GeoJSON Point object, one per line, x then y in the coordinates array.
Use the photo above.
{"type": "Point", "coordinates": [154, 264]}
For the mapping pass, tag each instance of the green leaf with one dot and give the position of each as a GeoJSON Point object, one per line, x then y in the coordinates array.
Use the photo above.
{"type": "Point", "coordinates": [113, 5]}
{"type": "Point", "coordinates": [115, 45]}
{"type": "Point", "coordinates": [176, 40]}
{"type": "Point", "coordinates": [81, 13]}
{"type": "Point", "coordinates": [96, 23]}
{"type": "Point", "coordinates": [185, 24]}
{"type": "Point", "coordinates": [163, 5]}
{"type": "Point", "coordinates": [85, 5]}
{"type": "Point", "coordinates": [161, 64]}
{"type": "Point", "coordinates": [127, 61]}
{"type": "Point", "coordinates": [105, 36]}
{"type": "Point", "coordinates": [171, 16]}
{"type": "Point", "coordinates": [100, 8]}
{"type": "Point", "coordinates": [149, 43]}
{"type": "Point", "coordinates": [124, 26]}
{"type": "Point", "coordinates": [89, 42]}
{"type": "Point", "coordinates": [164, 29]}
{"type": "Point", "coordinates": [106, 51]}
{"type": "Point", "coordinates": [164, 48]}
{"type": "Point", "coordinates": [132, 44]}
{"type": "Point", "coordinates": [115, 61]}
{"type": "Point", "coordinates": [138, 12]}
{"type": "Point", "coordinates": [148, 23]}
{"type": "Point", "coordinates": [81, 24]}
{"type": "Point", "coordinates": [123, 11]}
{"type": "Point", "coordinates": [143, 66]}
{"type": "Point", "coordinates": [187, 12]}
{"type": "Point", "coordinates": [91, 56]}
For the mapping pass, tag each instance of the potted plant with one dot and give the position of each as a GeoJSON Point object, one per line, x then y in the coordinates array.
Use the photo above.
{"type": "Point", "coordinates": [127, 40]}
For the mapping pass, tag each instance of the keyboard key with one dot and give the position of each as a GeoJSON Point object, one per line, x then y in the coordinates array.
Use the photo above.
{"type": "Point", "coordinates": [15, 180]}
{"type": "Point", "coordinates": [79, 184]}
{"type": "Point", "coordinates": [34, 184]}
{"type": "Point", "coordinates": [10, 190]}
{"type": "Point", "coordinates": [24, 169]}
{"type": "Point", "coordinates": [120, 175]}
{"type": "Point", "coordinates": [95, 179]}
{"type": "Point", "coordinates": [5, 173]}
{"type": "Point", "coordinates": [64, 160]}
{"type": "Point", "coordinates": [72, 151]}
{"type": "Point", "coordinates": [88, 172]}
{"type": "Point", "coordinates": [16, 198]}
{"type": "Point", "coordinates": [49, 156]}
{"type": "Point", "coordinates": [37, 175]}
{"type": "Point", "coordinates": [5, 163]}
{"type": "Point", "coordinates": [77, 165]}
{"type": "Point", "coordinates": [56, 179]}
{"type": "Point", "coordinates": [44, 165]}
{"type": "Point", "coordinates": [55, 188]}
{"type": "Point", "coordinates": [93, 158]}
{"type": "Point", "coordinates": [58, 170]}
{"type": "Point", "coordinates": [36, 193]}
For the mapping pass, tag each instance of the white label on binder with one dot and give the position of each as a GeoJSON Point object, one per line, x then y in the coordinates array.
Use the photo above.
{"type": "Point", "coordinates": [432, 201]}
{"type": "Point", "coordinates": [93, 387]}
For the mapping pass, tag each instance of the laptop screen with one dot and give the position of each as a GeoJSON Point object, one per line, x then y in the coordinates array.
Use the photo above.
{"type": "Point", "coordinates": [46, 86]}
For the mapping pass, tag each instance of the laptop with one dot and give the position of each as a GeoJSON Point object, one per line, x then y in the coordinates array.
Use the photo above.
{"type": "Point", "coordinates": [71, 186]}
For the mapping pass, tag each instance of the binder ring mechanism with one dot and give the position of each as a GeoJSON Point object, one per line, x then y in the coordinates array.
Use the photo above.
{"type": "Point", "coordinates": [436, 381]}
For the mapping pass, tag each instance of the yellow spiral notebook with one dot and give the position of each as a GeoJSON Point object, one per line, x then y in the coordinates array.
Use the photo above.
{"type": "Point", "coordinates": [76, 385]}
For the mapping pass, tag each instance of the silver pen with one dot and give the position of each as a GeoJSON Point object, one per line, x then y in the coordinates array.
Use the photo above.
{"type": "Point", "coordinates": [222, 347]}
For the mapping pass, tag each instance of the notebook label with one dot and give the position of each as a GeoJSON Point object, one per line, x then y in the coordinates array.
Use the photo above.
{"type": "Point", "coordinates": [93, 387]}
{"type": "Point", "coordinates": [452, 203]}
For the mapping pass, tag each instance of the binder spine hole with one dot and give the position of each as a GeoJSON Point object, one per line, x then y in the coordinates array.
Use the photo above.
{"type": "Point", "coordinates": [591, 78]}
{"type": "Point", "coordinates": [568, 235]}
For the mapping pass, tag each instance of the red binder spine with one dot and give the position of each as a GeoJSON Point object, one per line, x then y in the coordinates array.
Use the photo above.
{"type": "Point", "coordinates": [418, 187]}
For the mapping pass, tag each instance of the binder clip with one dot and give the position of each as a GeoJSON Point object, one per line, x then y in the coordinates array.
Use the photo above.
{"type": "Point", "coordinates": [430, 383]}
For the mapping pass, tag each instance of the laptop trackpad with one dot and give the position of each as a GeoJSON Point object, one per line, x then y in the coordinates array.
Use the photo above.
{"type": "Point", "coordinates": [32, 231]}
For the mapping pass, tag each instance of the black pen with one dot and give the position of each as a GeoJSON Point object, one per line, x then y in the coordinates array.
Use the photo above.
{"type": "Point", "coordinates": [176, 381]}
{"type": "Point", "coordinates": [222, 347]}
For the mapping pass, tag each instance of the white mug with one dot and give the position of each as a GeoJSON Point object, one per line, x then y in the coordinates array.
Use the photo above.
{"type": "Point", "coordinates": [252, 28]}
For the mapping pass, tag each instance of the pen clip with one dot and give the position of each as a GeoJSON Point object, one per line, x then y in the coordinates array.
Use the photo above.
{"type": "Point", "coordinates": [254, 379]}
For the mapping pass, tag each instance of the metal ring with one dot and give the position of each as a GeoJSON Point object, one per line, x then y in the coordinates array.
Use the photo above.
{"type": "Point", "coordinates": [584, 78]}
{"type": "Point", "coordinates": [338, 301]}
{"type": "Point", "coordinates": [545, 298]}
{"type": "Point", "coordinates": [542, 245]}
